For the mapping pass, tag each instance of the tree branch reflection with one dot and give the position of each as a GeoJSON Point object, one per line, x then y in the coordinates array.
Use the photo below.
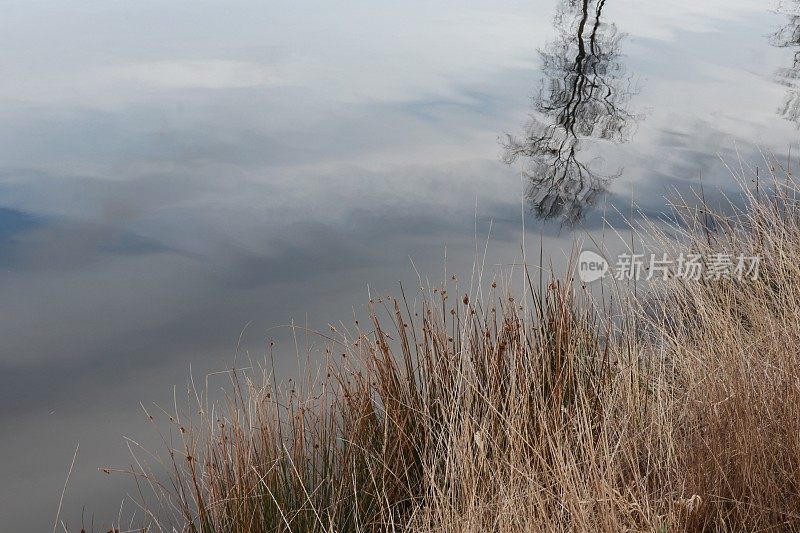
{"type": "Point", "coordinates": [584, 94]}
{"type": "Point", "coordinates": [788, 36]}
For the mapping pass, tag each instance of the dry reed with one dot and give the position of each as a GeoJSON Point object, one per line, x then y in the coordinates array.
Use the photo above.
{"type": "Point", "coordinates": [546, 413]}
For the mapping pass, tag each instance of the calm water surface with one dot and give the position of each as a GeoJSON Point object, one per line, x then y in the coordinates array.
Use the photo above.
{"type": "Point", "coordinates": [170, 172]}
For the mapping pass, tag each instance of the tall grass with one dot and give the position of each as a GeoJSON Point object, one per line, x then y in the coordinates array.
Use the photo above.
{"type": "Point", "coordinates": [548, 412]}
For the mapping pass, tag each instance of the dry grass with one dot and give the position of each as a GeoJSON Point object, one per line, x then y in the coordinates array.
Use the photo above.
{"type": "Point", "coordinates": [449, 413]}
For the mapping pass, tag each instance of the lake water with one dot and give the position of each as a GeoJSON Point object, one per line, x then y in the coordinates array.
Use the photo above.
{"type": "Point", "coordinates": [171, 172]}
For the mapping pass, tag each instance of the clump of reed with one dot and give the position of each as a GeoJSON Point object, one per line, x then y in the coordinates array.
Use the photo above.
{"type": "Point", "coordinates": [735, 348]}
{"type": "Point", "coordinates": [548, 410]}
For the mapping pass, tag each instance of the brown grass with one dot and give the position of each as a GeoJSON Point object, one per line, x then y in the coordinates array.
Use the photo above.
{"type": "Point", "coordinates": [551, 412]}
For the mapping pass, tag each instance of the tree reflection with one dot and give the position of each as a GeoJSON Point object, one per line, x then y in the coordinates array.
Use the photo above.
{"type": "Point", "coordinates": [788, 36]}
{"type": "Point", "coordinates": [584, 94]}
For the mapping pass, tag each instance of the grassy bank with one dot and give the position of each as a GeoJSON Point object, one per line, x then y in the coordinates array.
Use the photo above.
{"type": "Point", "coordinates": [544, 410]}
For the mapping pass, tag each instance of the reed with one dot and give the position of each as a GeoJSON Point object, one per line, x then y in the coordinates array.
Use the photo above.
{"type": "Point", "coordinates": [544, 411]}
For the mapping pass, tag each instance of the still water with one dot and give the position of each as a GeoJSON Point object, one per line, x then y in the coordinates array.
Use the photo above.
{"type": "Point", "coordinates": [173, 172]}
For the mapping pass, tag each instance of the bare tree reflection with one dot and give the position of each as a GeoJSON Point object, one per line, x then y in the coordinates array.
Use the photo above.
{"type": "Point", "coordinates": [584, 94]}
{"type": "Point", "coordinates": [788, 36]}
